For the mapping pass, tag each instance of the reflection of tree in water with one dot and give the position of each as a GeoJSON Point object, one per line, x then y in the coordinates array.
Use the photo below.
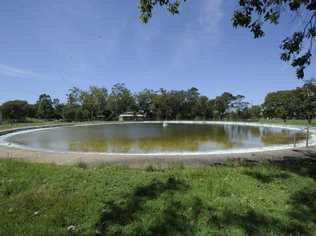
{"type": "Point", "coordinates": [179, 137]}
{"type": "Point", "coordinates": [238, 134]}
{"type": "Point", "coordinates": [102, 145]}
{"type": "Point", "coordinates": [280, 136]}
{"type": "Point", "coordinates": [267, 136]}
{"type": "Point", "coordinates": [255, 131]}
{"type": "Point", "coordinates": [90, 145]}
{"type": "Point", "coordinates": [172, 138]}
{"type": "Point", "coordinates": [189, 137]}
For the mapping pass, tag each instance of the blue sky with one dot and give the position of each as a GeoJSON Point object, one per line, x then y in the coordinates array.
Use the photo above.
{"type": "Point", "coordinates": [50, 46]}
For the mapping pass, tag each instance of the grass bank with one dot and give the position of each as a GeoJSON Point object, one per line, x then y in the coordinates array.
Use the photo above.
{"type": "Point", "coordinates": [266, 199]}
{"type": "Point", "coordinates": [28, 122]}
{"type": "Point", "coordinates": [288, 122]}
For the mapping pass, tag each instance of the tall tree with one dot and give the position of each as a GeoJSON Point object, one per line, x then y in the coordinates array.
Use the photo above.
{"type": "Point", "coordinates": [280, 105]}
{"type": "Point", "coordinates": [73, 97]}
{"type": "Point", "coordinates": [254, 112]}
{"type": "Point", "coordinates": [307, 100]}
{"type": "Point", "coordinates": [192, 96]}
{"type": "Point", "coordinates": [94, 101]}
{"type": "Point", "coordinates": [120, 100]}
{"type": "Point", "coordinates": [45, 109]}
{"type": "Point", "coordinates": [145, 102]}
{"type": "Point", "coordinates": [223, 103]}
{"type": "Point", "coordinates": [203, 109]}
{"type": "Point", "coordinates": [72, 110]}
{"type": "Point", "coordinates": [58, 107]}
{"type": "Point", "coordinates": [100, 97]}
{"type": "Point", "coordinates": [162, 109]}
{"type": "Point", "coordinates": [31, 110]}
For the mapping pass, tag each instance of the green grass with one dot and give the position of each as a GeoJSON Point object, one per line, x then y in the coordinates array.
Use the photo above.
{"type": "Point", "coordinates": [28, 122]}
{"type": "Point", "coordinates": [265, 199]}
{"type": "Point", "coordinates": [288, 122]}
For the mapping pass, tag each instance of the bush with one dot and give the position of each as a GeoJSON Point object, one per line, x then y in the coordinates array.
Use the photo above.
{"type": "Point", "coordinates": [15, 110]}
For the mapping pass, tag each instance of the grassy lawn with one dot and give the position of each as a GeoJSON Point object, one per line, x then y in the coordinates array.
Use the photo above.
{"type": "Point", "coordinates": [288, 122]}
{"type": "Point", "coordinates": [28, 122]}
{"type": "Point", "coordinates": [265, 199]}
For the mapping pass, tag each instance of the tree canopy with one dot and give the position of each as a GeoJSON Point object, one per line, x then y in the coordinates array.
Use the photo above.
{"type": "Point", "coordinates": [45, 109]}
{"type": "Point", "coordinates": [15, 110]}
{"type": "Point", "coordinates": [98, 103]}
{"type": "Point", "coordinates": [296, 48]}
{"type": "Point", "coordinates": [299, 103]}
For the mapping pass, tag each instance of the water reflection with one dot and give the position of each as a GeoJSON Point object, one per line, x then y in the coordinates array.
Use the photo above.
{"type": "Point", "coordinates": [145, 138]}
{"type": "Point", "coordinates": [281, 137]}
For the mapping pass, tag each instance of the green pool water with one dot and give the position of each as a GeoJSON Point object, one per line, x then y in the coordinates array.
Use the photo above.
{"type": "Point", "coordinates": [154, 138]}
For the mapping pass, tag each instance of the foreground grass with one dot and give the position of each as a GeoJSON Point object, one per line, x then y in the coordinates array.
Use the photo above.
{"type": "Point", "coordinates": [38, 199]}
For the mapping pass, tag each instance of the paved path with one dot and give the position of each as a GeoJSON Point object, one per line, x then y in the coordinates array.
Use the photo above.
{"type": "Point", "coordinates": [143, 161]}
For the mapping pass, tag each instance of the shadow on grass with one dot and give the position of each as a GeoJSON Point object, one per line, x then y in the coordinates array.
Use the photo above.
{"type": "Point", "coordinates": [266, 177]}
{"type": "Point", "coordinates": [252, 222]}
{"type": "Point", "coordinates": [124, 216]}
{"type": "Point", "coordinates": [304, 166]}
{"type": "Point", "coordinates": [123, 211]}
{"type": "Point", "coordinates": [172, 221]}
{"type": "Point", "coordinates": [179, 218]}
{"type": "Point", "coordinates": [304, 205]}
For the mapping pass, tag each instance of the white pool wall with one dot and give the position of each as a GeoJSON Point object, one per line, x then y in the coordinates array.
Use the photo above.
{"type": "Point", "coordinates": [312, 140]}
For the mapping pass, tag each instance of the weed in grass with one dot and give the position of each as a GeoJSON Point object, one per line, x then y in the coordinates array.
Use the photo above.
{"type": "Point", "coordinates": [266, 178]}
{"type": "Point", "coordinates": [150, 168]}
{"type": "Point", "coordinates": [82, 165]}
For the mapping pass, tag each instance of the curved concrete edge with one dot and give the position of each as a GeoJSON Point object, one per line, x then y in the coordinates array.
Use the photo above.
{"type": "Point", "coordinates": [27, 128]}
{"type": "Point", "coordinates": [141, 160]}
{"type": "Point", "coordinates": [3, 138]}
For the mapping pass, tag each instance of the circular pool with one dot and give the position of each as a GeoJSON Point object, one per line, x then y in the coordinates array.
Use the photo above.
{"type": "Point", "coordinates": [151, 138]}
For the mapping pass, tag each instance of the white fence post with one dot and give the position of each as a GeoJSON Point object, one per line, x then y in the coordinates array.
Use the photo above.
{"type": "Point", "coordinates": [307, 136]}
{"type": "Point", "coordinates": [294, 141]}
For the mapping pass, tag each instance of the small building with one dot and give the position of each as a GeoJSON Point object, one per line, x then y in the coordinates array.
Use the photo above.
{"type": "Point", "coordinates": [101, 117]}
{"type": "Point", "coordinates": [131, 116]}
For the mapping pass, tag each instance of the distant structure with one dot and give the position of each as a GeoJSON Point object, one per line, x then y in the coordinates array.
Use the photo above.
{"type": "Point", "coordinates": [101, 117]}
{"type": "Point", "coordinates": [131, 116]}
{"type": "Point", "coordinates": [1, 117]}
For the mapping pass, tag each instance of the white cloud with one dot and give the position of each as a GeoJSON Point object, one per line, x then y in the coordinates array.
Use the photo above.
{"type": "Point", "coordinates": [18, 73]}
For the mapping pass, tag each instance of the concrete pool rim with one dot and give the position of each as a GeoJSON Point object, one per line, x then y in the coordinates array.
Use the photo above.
{"type": "Point", "coordinates": [8, 133]}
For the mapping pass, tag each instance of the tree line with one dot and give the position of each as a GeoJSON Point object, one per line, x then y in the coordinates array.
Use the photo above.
{"type": "Point", "coordinates": [98, 103]}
